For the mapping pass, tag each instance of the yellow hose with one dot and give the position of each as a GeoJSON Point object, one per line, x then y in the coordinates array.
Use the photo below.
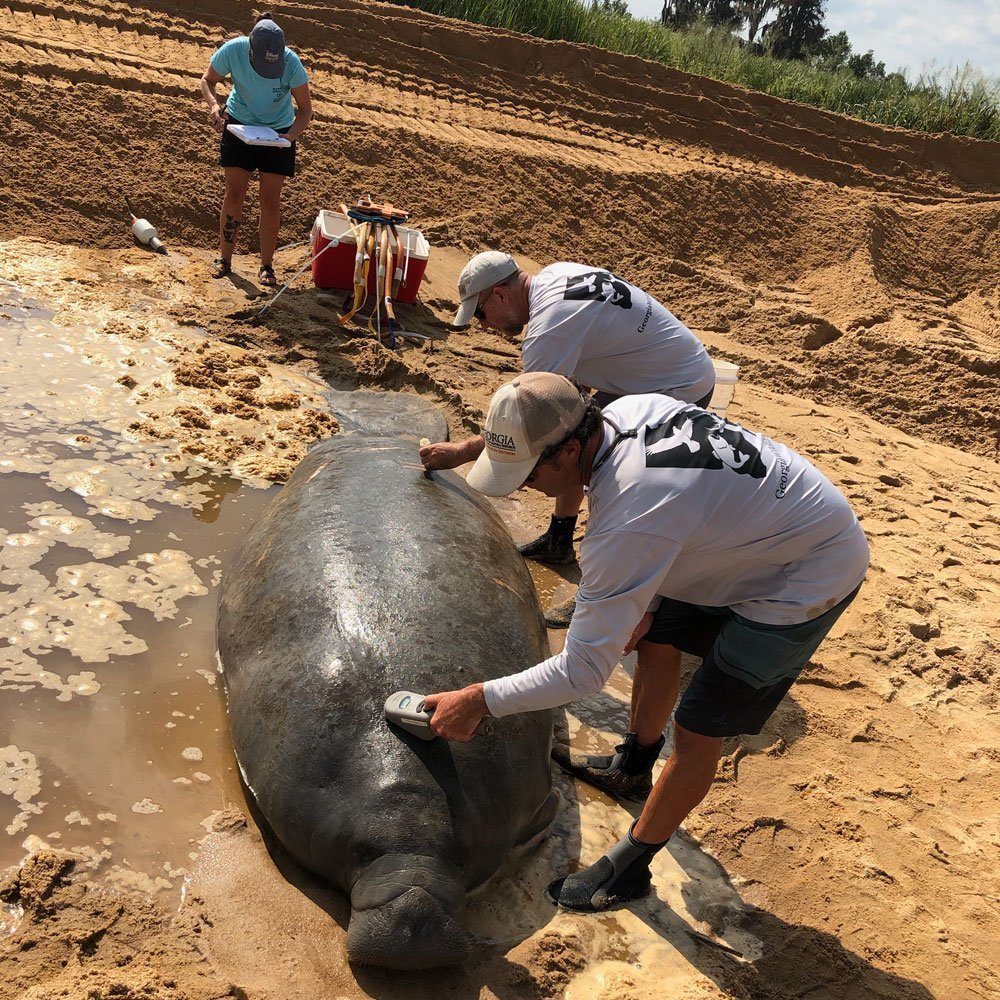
{"type": "Point", "coordinates": [362, 262]}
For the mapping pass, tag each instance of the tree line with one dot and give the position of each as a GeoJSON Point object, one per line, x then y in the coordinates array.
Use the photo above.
{"type": "Point", "coordinates": [783, 29]}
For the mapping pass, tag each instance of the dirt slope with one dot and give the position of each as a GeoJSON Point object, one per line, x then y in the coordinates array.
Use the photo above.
{"type": "Point", "coordinates": [869, 254]}
{"type": "Point", "coordinates": [850, 270]}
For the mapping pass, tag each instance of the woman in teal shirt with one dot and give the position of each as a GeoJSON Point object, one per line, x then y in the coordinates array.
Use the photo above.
{"type": "Point", "coordinates": [266, 78]}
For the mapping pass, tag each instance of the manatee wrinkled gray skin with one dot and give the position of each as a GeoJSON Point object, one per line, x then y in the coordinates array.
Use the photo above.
{"type": "Point", "coordinates": [388, 413]}
{"type": "Point", "coordinates": [366, 577]}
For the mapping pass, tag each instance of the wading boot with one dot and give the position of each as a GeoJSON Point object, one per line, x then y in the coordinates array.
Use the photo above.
{"type": "Point", "coordinates": [628, 773]}
{"type": "Point", "coordinates": [619, 876]}
{"type": "Point", "coordinates": [555, 546]}
{"type": "Point", "coordinates": [561, 615]}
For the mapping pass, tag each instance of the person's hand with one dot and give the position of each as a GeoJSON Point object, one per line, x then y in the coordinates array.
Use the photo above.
{"type": "Point", "coordinates": [442, 455]}
{"type": "Point", "coordinates": [217, 118]}
{"type": "Point", "coordinates": [457, 713]}
{"type": "Point", "coordinates": [638, 633]}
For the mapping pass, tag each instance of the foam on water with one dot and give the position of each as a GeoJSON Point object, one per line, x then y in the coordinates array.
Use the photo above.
{"type": "Point", "coordinates": [110, 551]}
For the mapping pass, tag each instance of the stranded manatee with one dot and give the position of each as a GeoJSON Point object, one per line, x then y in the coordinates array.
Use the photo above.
{"type": "Point", "coordinates": [363, 578]}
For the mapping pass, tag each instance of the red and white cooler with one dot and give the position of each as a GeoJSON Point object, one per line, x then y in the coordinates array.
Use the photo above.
{"type": "Point", "coordinates": [334, 267]}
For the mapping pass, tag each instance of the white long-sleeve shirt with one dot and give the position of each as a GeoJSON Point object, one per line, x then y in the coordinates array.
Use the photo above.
{"type": "Point", "coordinates": [596, 328]}
{"type": "Point", "coordinates": [703, 511]}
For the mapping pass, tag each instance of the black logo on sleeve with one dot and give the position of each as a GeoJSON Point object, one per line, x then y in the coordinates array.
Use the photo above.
{"type": "Point", "coordinates": [693, 439]}
{"type": "Point", "coordinates": [602, 286]}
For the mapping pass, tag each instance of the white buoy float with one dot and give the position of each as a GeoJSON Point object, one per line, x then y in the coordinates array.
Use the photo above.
{"type": "Point", "coordinates": [145, 232]}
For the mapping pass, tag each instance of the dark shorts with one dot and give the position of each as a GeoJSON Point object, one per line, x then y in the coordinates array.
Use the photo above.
{"type": "Point", "coordinates": [746, 668]}
{"type": "Point", "coordinates": [234, 153]}
{"type": "Point", "coordinates": [602, 398]}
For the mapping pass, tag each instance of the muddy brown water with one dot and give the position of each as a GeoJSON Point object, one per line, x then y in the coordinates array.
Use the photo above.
{"type": "Point", "coordinates": [114, 741]}
{"type": "Point", "coordinates": [113, 735]}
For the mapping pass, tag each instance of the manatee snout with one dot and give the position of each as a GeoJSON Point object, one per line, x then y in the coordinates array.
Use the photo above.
{"type": "Point", "coordinates": [405, 912]}
{"type": "Point", "coordinates": [412, 931]}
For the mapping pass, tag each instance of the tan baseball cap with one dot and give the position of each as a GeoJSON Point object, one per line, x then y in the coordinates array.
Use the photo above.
{"type": "Point", "coordinates": [526, 416]}
{"type": "Point", "coordinates": [484, 271]}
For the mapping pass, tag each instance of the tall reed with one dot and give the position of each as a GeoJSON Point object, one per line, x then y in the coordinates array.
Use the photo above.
{"type": "Point", "coordinates": [965, 103]}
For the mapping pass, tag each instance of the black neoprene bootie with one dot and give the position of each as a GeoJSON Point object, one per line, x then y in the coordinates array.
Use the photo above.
{"type": "Point", "coordinates": [555, 546]}
{"type": "Point", "coordinates": [628, 773]}
{"type": "Point", "coordinates": [619, 876]}
{"type": "Point", "coordinates": [561, 615]}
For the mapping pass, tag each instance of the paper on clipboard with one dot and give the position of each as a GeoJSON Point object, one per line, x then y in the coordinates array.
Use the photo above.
{"type": "Point", "coordinates": [258, 135]}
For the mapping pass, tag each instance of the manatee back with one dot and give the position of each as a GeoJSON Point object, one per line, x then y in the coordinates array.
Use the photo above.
{"type": "Point", "coordinates": [366, 577]}
{"type": "Point", "coordinates": [387, 414]}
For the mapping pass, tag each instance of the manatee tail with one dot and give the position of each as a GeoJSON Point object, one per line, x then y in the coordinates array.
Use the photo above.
{"type": "Point", "coordinates": [404, 914]}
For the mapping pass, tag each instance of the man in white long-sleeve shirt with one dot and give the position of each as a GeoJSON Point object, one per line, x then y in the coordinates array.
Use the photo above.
{"type": "Point", "coordinates": [592, 326]}
{"type": "Point", "coordinates": [705, 538]}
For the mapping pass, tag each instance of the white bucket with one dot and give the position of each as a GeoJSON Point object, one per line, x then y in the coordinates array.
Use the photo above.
{"type": "Point", "coordinates": [727, 375]}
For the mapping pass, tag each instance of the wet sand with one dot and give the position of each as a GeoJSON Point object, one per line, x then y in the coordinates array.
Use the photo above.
{"type": "Point", "coordinates": [849, 270]}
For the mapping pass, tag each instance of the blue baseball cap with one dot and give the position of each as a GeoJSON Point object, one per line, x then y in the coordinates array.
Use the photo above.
{"type": "Point", "coordinates": [267, 50]}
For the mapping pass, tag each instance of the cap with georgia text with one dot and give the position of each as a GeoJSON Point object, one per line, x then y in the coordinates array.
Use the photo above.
{"type": "Point", "coordinates": [535, 410]}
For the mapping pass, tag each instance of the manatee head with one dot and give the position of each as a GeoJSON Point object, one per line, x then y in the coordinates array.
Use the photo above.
{"type": "Point", "coordinates": [405, 913]}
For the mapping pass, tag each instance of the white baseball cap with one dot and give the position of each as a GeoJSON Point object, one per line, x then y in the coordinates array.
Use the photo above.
{"type": "Point", "coordinates": [484, 271]}
{"type": "Point", "coordinates": [526, 416]}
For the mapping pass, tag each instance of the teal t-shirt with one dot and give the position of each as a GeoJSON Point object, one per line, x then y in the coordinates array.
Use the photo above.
{"type": "Point", "coordinates": [254, 100]}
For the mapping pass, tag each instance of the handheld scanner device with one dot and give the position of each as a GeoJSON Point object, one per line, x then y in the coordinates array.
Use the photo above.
{"type": "Point", "coordinates": [406, 710]}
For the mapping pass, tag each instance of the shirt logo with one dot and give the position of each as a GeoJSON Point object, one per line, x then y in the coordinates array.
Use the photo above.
{"type": "Point", "coordinates": [601, 286]}
{"type": "Point", "coordinates": [694, 439]}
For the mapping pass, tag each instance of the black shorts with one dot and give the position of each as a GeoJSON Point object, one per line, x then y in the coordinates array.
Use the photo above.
{"type": "Point", "coordinates": [268, 160]}
{"type": "Point", "coordinates": [602, 398]}
{"type": "Point", "coordinates": [747, 667]}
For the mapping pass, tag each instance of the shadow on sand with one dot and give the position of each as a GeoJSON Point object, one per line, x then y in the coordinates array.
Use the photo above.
{"type": "Point", "coordinates": [797, 960]}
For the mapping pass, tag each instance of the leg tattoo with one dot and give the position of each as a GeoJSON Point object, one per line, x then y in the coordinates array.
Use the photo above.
{"type": "Point", "coordinates": [229, 229]}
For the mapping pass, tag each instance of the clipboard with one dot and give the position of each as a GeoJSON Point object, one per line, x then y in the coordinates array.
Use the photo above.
{"type": "Point", "coordinates": [258, 135]}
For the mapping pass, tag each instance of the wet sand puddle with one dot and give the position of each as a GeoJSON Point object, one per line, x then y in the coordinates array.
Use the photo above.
{"type": "Point", "coordinates": [114, 741]}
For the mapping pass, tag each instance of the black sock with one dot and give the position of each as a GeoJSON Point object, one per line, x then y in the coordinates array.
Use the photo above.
{"type": "Point", "coordinates": [622, 874]}
{"type": "Point", "coordinates": [637, 758]}
{"type": "Point", "coordinates": [562, 528]}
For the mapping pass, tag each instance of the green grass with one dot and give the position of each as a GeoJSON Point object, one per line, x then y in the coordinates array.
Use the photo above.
{"type": "Point", "coordinates": [966, 103]}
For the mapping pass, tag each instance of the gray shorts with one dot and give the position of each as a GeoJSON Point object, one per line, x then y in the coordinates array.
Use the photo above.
{"type": "Point", "coordinates": [747, 667]}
